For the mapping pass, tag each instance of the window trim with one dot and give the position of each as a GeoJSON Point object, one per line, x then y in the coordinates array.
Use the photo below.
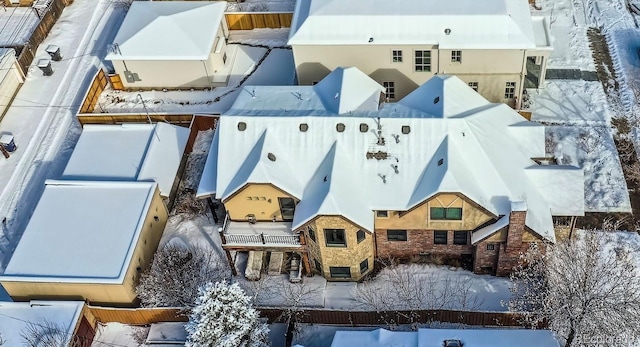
{"type": "Point", "coordinates": [396, 56]}
{"type": "Point", "coordinates": [445, 213]}
{"type": "Point", "coordinates": [389, 89]}
{"type": "Point", "coordinates": [456, 56]}
{"type": "Point", "coordinates": [346, 274]}
{"type": "Point", "coordinates": [425, 60]}
{"type": "Point", "coordinates": [398, 235]}
{"type": "Point", "coordinates": [457, 241]}
{"type": "Point", "coordinates": [440, 232]}
{"type": "Point", "coordinates": [335, 232]}
{"type": "Point", "coordinates": [363, 233]}
{"type": "Point", "coordinates": [510, 90]}
{"type": "Point", "coordinates": [282, 210]}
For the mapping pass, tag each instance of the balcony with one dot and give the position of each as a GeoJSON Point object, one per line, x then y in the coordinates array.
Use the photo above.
{"type": "Point", "coordinates": [258, 234]}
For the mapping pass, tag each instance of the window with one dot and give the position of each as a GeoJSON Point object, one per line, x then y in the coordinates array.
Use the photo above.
{"type": "Point", "coordinates": [364, 127]}
{"type": "Point", "coordinates": [335, 237]}
{"type": "Point", "coordinates": [340, 272]}
{"type": "Point", "coordinates": [361, 235]}
{"type": "Point", "coordinates": [474, 86]}
{"type": "Point", "coordinates": [383, 214]}
{"type": "Point", "coordinates": [312, 233]}
{"type": "Point", "coordinates": [406, 129]}
{"type": "Point", "coordinates": [390, 90]}
{"type": "Point", "coordinates": [423, 61]}
{"type": "Point", "coordinates": [396, 56]}
{"type": "Point", "coordinates": [287, 208]}
{"type": "Point", "coordinates": [397, 235]}
{"type": "Point", "coordinates": [510, 90]}
{"type": "Point", "coordinates": [456, 56]}
{"type": "Point", "coordinates": [449, 213]}
{"type": "Point", "coordinates": [340, 127]}
{"type": "Point", "coordinates": [364, 266]}
{"type": "Point", "coordinates": [460, 237]}
{"type": "Point", "coordinates": [440, 237]}
{"type": "Point", "coordinates": [491, 246]}
{"type": "Point", "coordinates": [316, 263]}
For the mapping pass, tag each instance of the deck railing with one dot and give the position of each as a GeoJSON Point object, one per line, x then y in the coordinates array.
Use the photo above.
{"type": "Point", "coordinates": [230, 238]}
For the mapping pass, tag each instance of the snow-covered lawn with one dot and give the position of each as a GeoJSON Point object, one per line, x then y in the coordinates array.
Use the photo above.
{"type": "Point", "coordinates": [261, 6]}
{"type": "Point", "coordinates": [570, 102]}
{"type": "Point", "coordinates": [117, 334]}
{"type": "Point", "coordinates": [276, 69]}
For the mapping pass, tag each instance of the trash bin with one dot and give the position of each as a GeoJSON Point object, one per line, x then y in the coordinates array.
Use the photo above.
{"type": "Point", "coordinates": [7, 142]}
{"type": "Point", "coordinates": [45, 66]}
{"type": "Point", "coordinates": [54, 52]}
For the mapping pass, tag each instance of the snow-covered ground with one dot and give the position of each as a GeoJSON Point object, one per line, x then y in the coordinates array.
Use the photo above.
{"type": "Point", "coordinates": [16, 25]}
{"type": "Point", "coordinates": [42, 116]}
{"type": "Point", "coordinates": [261, 6]}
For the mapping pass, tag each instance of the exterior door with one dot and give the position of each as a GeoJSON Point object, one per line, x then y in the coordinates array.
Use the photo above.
{"type": "Point", "coordinates": [287, 208]}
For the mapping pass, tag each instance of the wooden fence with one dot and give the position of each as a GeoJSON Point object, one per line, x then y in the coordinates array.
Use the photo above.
{"type": "Point", "coordinates": [120, 118]}
{"type": "Point", "coordinates": [200, 123]}
{"type": "Point", "coordinates": [48, 19]}
{"type": "Point", "coordinates": [93, 94]}
{"type": "Point", "coordinates": [137, 316]}
{"type": "Point", "coordinates": [255, 20]}
{"type": "Point", "coordinates": [354, 318]}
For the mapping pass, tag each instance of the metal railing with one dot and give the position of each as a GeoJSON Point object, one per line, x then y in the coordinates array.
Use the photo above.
{"type": "Point", "coordinates": [229, 238]}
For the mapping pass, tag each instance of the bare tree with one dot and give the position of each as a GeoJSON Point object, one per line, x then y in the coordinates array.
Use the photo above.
{"type": "Point", "coordinates": [586, 289]}
{"type": "Point", "coordinates": [399, 288]}
{"type": "Point", "coordinates": [48, 334]}
{"type": "Point", "coordinates": [176, 275]}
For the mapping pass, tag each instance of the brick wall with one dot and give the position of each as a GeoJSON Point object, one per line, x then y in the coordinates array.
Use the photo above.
{"type": "Point", "coordinates": [486, 260]}
{"type": "Point", "coordinates": [510, 251]}
{"type": "Point", "coordinates": [419, 241]}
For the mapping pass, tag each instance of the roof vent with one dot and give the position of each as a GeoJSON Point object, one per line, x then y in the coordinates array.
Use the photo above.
{"type": "Point", "coordinates": [340, 127]}
{"type": "Point", "coordinates": [436, 100]}
{"type": "Point", "coordinates": [370, 39]}
{"type": "Point", "coordinates": [364, 127]}
{"type": "Point", "coordinates": [395, 168]}
{"type": "Point", "coordinates": [271, 156]}
{"type": "Point", "coordinates": [304, 127]}
{"type": "Point", "coordinates": [452, 343]}
{"type": "Point", "coordinates": [447, 31]}
{"type": "Point", "coordinates": [406, 129]}
{"type": "Point", "coordinates": [383, 177]}
{"type": "Point", "coordinates": [242, 126]}
{"type": "Point", "coordinates": [440, 162]}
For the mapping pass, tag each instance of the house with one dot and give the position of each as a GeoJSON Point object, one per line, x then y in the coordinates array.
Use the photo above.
{"type": "Point", "coordinates": [87, 241]}
{"type": "Point", "coordinates": [446, 338]}
{"type": "Point", "coordinates": [335, 175]}
{"type": "Point", "coordinates": [129, 152]}
{"type": "Point", "coordinates": [54, 323]}
{"type": "Point", "coordinates": [495, 46]}
{"type": "Point", "coordinates": [172, 45]}
{"type": "Point", "coordinates": [11, 78]}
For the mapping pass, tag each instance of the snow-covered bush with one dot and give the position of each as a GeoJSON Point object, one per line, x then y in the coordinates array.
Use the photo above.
{"type": "Point", "coordinates": [176, 275]}
{"type": "Point", "coordinates": [224, 317]}
{"type": "Point", "coordinates": [586, 289]}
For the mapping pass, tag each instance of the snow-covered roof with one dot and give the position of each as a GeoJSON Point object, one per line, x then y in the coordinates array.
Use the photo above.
{"type": "Point", "coordinates": [495, 24]}
{"type": "Point", "coordinates": [168, 30]}
{"type": "Point", "coordinates": [18, 23]}
{"type": "Point", "coordinates": [392, 158]}
{"type": "Point", "coordinates": [15, 318]}
{"type": "Point", "coordinates": [81, 232]}
{"type": "Point", "coordinates": [436, 337]}
{"type": "Point", "coordinates": [129, 152]}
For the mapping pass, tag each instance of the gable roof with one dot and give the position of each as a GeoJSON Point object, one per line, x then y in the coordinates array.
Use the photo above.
{"type": "Point", "coordinates": [88, 238]}
{"type": "Point", "coordinates": [175, 30]}
{"type": "Point", "coordinates": [498, 24]}
{"type": "Point", "coordinates": [395, 157]}
{"type": "Point", "coordinates": [129, 152]}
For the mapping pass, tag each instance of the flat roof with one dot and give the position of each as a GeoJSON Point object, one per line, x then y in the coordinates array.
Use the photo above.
{"type": "Point", "coordinates": [129, 152]}
{"type": "Point", "coordinates": [168, 30]}
{"type": "Point", "coordinates": [81, 232]}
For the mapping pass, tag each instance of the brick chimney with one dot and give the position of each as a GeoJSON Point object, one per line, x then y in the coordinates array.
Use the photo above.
{"type": "Point", "coordinates": [509, 255]}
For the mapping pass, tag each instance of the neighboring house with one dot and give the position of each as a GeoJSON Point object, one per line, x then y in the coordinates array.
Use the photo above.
{"type": "Point", "coordinates": [173, 45]}
{"type": "Point", "coordinates": [129, 152]}
{"type": "Point", "coordinates": [46, 323]}
{"type": "Point", "coordinates": [87, 241]}
{"type": "Point", "coordinates": [446, 338]}
{"type": "Point", "coordinates": [11, 78]}
{"type": "Point", "coordinates": [495, 46]}
{"type": "Point", "coordinates": [335, 175]}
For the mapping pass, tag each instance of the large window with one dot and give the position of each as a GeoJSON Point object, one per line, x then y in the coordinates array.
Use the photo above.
{"type": "Point", "coordinates": [396, 56]}
{"type": "Point", "coordinates": [312, 233]}
{"type": "Point", "coordinates": [446, 213]}
{"type": "Point", "coordinates": [440, 237]}
{"type": "Point", "coordinates": [510, 90]}
{"type": "Point", "coordinates": [335, 237]}
{"type": "Point", "coordinates": [397, 235]}
{"type": "Point", "coordinates": [287, 208]}
{"type": "Point", "coordinates": [340, 272]}
{"type": "Point", "coordinates": [460, 237]}
{"type": "Point", "coordinates": [364, 266]}
{"type": "Point", "coordinates": [456, 56]}
{"type": "Point", "coordinates": [361, 235]}
{"type": "Point", "coordinates": [423, 61]}
{"type": "Point", "coordinates": [390, 90]}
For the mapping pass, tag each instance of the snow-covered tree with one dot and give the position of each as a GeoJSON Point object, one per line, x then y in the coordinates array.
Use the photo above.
{"type": "Point", "coordinates": [224, 317]}
{"type": "Point", "coordinates": [176, 275]}
{"type": "Point", "coordinates": [46, 333]}
{"type": "Point", "coordinates": [586, 289]}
